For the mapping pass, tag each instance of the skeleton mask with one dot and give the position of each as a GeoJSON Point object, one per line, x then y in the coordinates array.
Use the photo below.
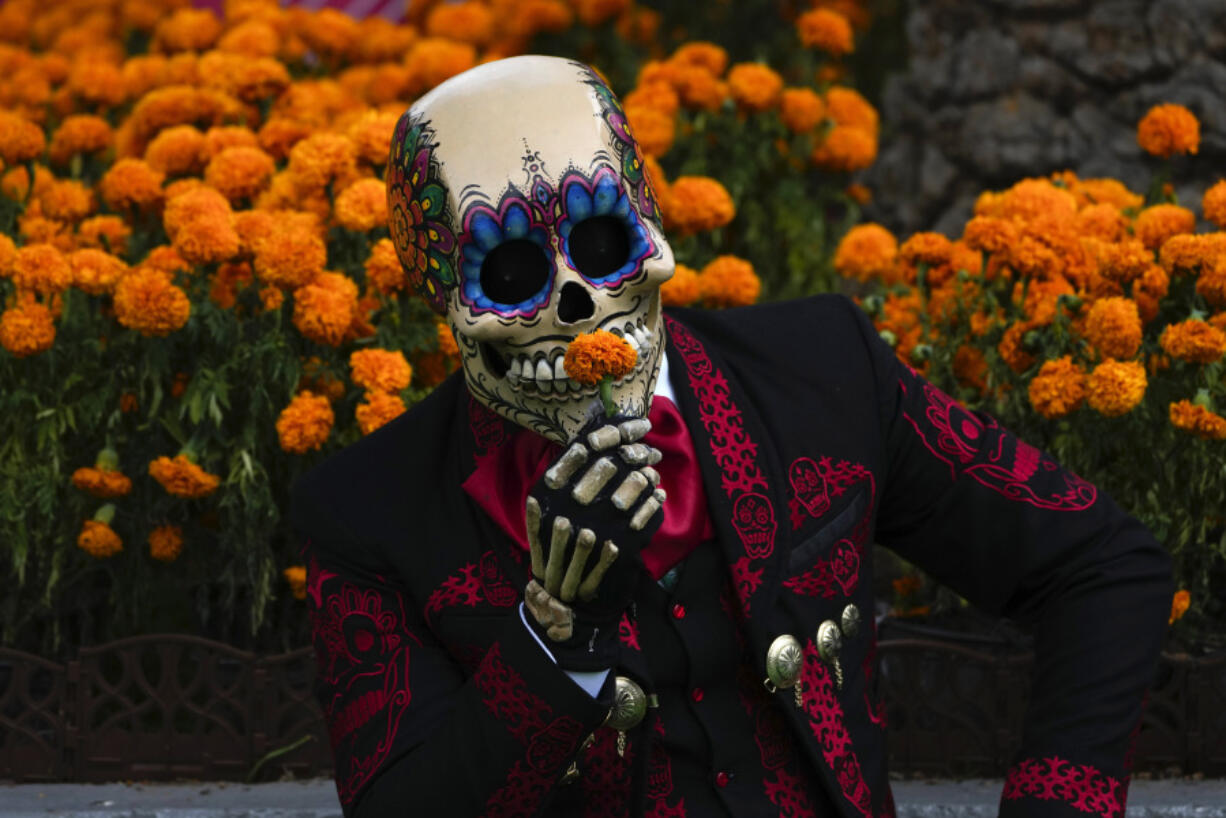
{"type": "Point", "coordinates": [520, 209]}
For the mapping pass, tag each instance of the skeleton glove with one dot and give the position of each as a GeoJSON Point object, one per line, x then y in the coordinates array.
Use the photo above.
{"type": "Point", "coordinates": [588, 519]}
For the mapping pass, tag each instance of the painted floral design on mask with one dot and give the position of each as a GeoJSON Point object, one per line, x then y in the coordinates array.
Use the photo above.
{"type": "Point", "coordinates": [602, 196]}
{"type": "Point", "coordinates": [417, 207]}
{"type": "Point", "coordinates": [629, 155]}
{"type": "Point", "coordinates": [485, 231]}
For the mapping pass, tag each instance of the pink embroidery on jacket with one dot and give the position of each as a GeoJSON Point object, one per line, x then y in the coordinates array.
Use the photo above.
{"type": "Point", "coordinates": [488, 429]}
{"type": "Point", "coordinates": [975, 445]}
{"type": "Point", "coordinates": [1082, 787]}
{"type": "Point", "coordinates": [826, 721]}
{"type": "Point", "coordinates": [753, 516]}
{"type": "Point", "coordinates": [839, 570]}
{"type": "Point", "coordinates": [628, 633]}
{"type": "Point", "coordinates": [809, 486]}
{"type": "Point", "coordinates": [473, 584]}
{"type": "Point", "coordinates": [605, 776]}
{"type": "Point", "coordinates": [782, 784]}
{"type": "Point", "coordinates": [521, 795]}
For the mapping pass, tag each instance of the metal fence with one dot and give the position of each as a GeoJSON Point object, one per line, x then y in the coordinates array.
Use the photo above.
{"type": "Point", "coordinates": [171, 707]}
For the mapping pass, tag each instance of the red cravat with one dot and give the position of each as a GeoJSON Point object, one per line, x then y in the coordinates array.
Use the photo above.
{"type": "Point", "coordinates": [502, 479]}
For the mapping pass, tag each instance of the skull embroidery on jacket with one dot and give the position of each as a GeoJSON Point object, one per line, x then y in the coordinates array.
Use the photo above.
{"type": "Point", "coordinates": [521, 210]}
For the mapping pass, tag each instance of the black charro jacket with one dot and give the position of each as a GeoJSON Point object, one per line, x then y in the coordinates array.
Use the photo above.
{"type": "Point", "coordinates": [815, 442]}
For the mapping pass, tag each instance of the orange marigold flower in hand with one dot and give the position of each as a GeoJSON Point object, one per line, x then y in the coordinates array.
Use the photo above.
{"type": "Point", "coordinates": [867, 251]}
{"type": "Point", "coordinates": [96, 271]}
{"type": "Point", "coordinates": [325, 308]}
{"type": "Point", "coordinates": [1179, 605]}
{"type": "Point", "coordinates": [378, 409]}
{"type": "Point", "coordinates": [305, 423]}
{"type": "Point", "coordinates": [291, 258]}
{"type": "Point", "coordinates": [382, 370]}
{"type": "Point", "coordinates": [1156, 224]}
{"type": "Point", "coordinates": [41, 268]}
{"type": "Point", "coordinates": [1190, 417]}
{"type": "Point", "coordinates": [1193, 340]}
{"type": "Point", "coordinates": [27, 329]}
{"type": "Point", "coordinates": [131, 184]}
{"type": "Point", "coordinates": [240, 172]}
{"type": "Point", "coordinates": [146, 300]}
{"type": "Point", "coordinates": [1113, 327]}
{"type": "Point", "coordinates": [827, 30]}
{"type": "Point", "coordinates": [845, 149]}
{"type": "Point", "coordinates": [98, 540]}
{"type": "Point", "coordinates": [1115, 388]}
{"type": "Point", "coordinates": [362, 206]}
{"type": "Point", "coordinates": [728, 281]}
{"type": "Point", "coordinates": [183, 478]}
{"type": "Point", "coordinates": [1058, 389]}
{"type": "Point", "coordinates": [1167, 130]}
{"type": "Point", "coordinates": [166, 543]}
{"type": "Point", "coordinates": [801, 109]}
{"type": "Point", "coordinates": [698, 203]}
{"type": "Point", "coordinates": [682, 289]}
{"type": "Point", "coordinates": [594, 356]}
{"type": "Point", "coordinates": [754, 86]}
{"type": "Point", "coordinates": [20, 139]}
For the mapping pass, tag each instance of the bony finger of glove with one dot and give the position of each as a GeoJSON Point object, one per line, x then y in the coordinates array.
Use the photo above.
{"type": "Point", "coordinates": [651, 506]}
{"type": "Point", "coordinates": [573, 459]}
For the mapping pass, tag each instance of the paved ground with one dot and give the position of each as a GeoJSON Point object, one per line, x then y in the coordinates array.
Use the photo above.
{"type": "Point", "coordinates": [317, 799]}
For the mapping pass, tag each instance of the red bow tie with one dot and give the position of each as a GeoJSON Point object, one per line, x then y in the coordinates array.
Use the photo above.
{"type": "Point", "coordinates": [502, 479]}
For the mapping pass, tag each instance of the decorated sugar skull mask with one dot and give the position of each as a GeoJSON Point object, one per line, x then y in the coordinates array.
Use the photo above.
{"type": "Point", "coordinates": [521, 210]}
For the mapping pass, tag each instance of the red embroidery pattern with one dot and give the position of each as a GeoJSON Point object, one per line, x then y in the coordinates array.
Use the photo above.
{"type": "Point", "coordinates": [826, 722]}
{"type": "Point", "coordinates": [508, 698]}
{"type": "Point", "coordinates": [628, 633]}
{"type": "Point", "coordinates": [786, 791]}
{"type": "Point", "coordinates": [488, 429]}
{"type": "Point", "coordinates": [783, 785]}
{"type": "Point", "coordinates": [474, 584]}
{"type": "Point", "coordinates": [362, 651]}
{"type": "Point", "coordinates": [746, 580]}
{"type": "Point", "coordinates": [974, 444]}
{"type": "Point", "coordinates": [1054, 779]}
{"type": "Point", "coordinates": [606, 776]}
{"type": "Point", "coordinates": [838, 572]}
{"type": "Point", "coordinates": [521, 795]}
{"type": "Point", "coordinates": [753, 513]}
{"type": "Point", "coordinates": [662, 809]}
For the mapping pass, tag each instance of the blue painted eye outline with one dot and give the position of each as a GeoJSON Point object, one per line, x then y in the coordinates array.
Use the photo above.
{"type": "Point", "coordinates": [603, 195]}
{"type": "Point", "coordinates": [484, 230]}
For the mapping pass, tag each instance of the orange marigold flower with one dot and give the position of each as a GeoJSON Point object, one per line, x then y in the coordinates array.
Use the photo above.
{"type": "Point", "coordinates": [146, 300]}
{"type": "Point", "coordinates": [446, 342]}
{"type": "Point", "coordinates": [1193, 340]}
{"type": "Point", "coordinates": [108, 233]}
{"type": "Point", "coordinates": [652, 129]}
{"type": "Point", "coordinates": [380, 370]}
{"type": "Point", "coordinates": [1030, 199]}
{"type": "Point", "coordinates": [658, 96]}
{"type": "Point", "coordinates": [305, 423]}
{"type": "Point", "coordinates": [96, 271]}
{"type": "Point", "coordinates": [928, 248]}
{"type": "Point", "coordinates": [1058, 389]}
{"type": "Point", "coordinates": [226, 282]}
{"type": "Point", "coordinates": [253, 226]}
{"type": "Point", "coordinates": [20, 139]}
{"type": "Point", "coordinates": [200, 225]}
{"type": "Point", "coordinates": [1125, 261]}
{"type": "Point", "coordinates": [754, 86]}
{"type": "Point", "coordinates": [321, 159]}
{"type": "Point", "coordinates": [296, 577]}
{"type": "Point", "coordinates": [845, 149]}
{"type": "Point", "coordinates": [1116, 387]}
{"type": "Point", "coordinates": [1190, 417]}
{"type": "Point", "coordinates": [98, 540]}
{"type": "Point", "coordinates": [250, 79]}
{"type": "Point", "coordinates": [183, 478]}
{"type": "Point", "coordinates": [1013, 346]}
{"type": "Point", "coordinates": [867, 251]}
{"type": "Point", "coordinates": [178, 151]}
{"type": "Point", "coordinates": [253, 38]}
{"type": "Point", "coordinates": [847, 107]}
{"type": "Point", "coordinates": [698, 203]}
{"type": "Point", "coordinates": [220, 137]}
{"type": "Point", "coordinates": [433, 60]}
{"type": "Point", "coordinates": [989, 235]}
{"type": "Point", "coordinates": [271, 298]}
{"type": "Point", "coordinates": [1156, 224]}
{"type": "Point", "coordinates": [1113, 327]}
{"type": "Point", "coordinates": [372, 136]}
{"type": "Point", "coordinates": [703, 54]}
{"type": "Point", "coordinates": [187, 30]}
{"type": "Point", "coordinates": [801, 109]}
{"type": "Point", "coordinates": [131, 184]}
{"type": "Point", "coordinates": [593, 356]}
{"type": "Point", "coordinates": [290, 259]}
{"type": "Point", "coordinates": [27, 329]}
{"type": "Point", "coordinates": [79, 133]}
{"type": "Point", "coordinates": [682, 289]}
{"type": "Point", "coordinates": [1211, 284]}
{"type": "Point", "coordinates": [1149, 290]}
{"type": "Point", "coordinates": [362, 206]}
{"type": "Point", "coordinates": [166, 259]}
{"type": "Point", "coordinates": [240, 173]}
{"type": "Point", "coordinates": [279, 135]}
{"type": "Point", "coordinates": [699, 88]}
{"type": "Point", "coordinates": [594, 12]}
{"type": "Point", "coordinates": [383, 270]}
{"type": "Point", "coordinates": [103, 483]}
{"type": "Point", "coordinates": [379, 408]}
{"type": "Point", "coordinates": [324, 309]}
{"type": "Point", "coordinates": [41, 268]}
{"type": "Point", "coordinates": [466, 22]}
{"type": "Point", "coordinates": [1107, 191]}
{"type": "Point", "coordinates": [1213, 204]}
{"type": "Point", "coordinates": [1185, 253]}
{"type": "Point", "coordinates": [728, 281]}
{"type": "Point", "coordinates": [827, 30]}
{"type": "Point", "coordinates": [1179, 603]}
{"type": "Point", "coordinates": [1103, 221]}
{"type": "Point", "coordinates": [66, 200]}
{"type": "Point", "coordinates": [165, 543]}
{"type": "Point", "coordinates": [8, 254]}
{"type": "Point", "coordinates": [1167, 130]}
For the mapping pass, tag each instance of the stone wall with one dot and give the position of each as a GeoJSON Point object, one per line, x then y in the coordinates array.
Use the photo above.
{"type": "Point", "coordinates": [1000, 89]}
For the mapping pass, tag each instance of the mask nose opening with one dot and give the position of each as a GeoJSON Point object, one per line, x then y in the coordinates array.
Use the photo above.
{"type": "Point", "coordinates": [574, 304]}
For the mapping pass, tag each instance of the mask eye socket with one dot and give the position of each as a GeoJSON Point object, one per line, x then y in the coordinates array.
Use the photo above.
{"type": "Point", "coordinates": [514, 271]}
{"type": "Point", "coordinates": [598, 246]}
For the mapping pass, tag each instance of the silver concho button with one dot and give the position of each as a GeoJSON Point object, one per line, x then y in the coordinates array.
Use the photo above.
{"type": "Point", "coordinates": [851, 621]}
{"type": "Point", "coordinates": [629, 705]}
{"type": "Point", "coordinates": [784, 660]}
{"type": "Point", "coordinates": [829, 640]}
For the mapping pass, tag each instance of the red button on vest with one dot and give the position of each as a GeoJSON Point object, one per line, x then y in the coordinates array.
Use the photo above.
{"type": "Point", "coordinates": [721, 779]}
{"type": "Point", "coordinates": [696, 694]}
{"type": "Point", "coordinates": [678, 611]}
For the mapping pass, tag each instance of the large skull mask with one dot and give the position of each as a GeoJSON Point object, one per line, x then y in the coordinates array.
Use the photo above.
{"type": "Point", "coordinates": [520, 208]}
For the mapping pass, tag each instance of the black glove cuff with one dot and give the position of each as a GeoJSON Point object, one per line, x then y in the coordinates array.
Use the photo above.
{"type": "Point", "coordinates": [591, 646]}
